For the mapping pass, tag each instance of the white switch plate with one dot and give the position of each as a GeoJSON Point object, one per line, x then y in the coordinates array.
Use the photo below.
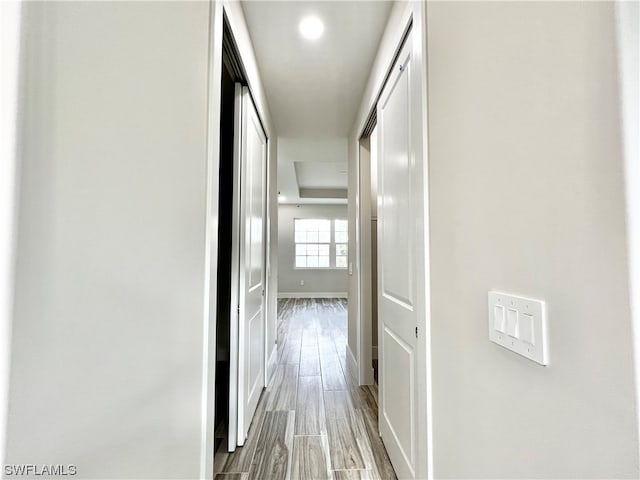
{"type": "Point", "coordinates": [520, 325]}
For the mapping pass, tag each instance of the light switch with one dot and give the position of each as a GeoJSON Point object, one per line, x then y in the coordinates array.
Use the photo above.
{"type": "Point", "coordinates": [519, 324]}
{"type": "Point", "coordinates": [512, 323]}
{"type": "Point", "coordinates": [526, 329]}
{"type": "Point", "coordinates": [499, 320]}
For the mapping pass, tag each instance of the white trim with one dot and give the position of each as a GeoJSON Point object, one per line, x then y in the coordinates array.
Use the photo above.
{"type": "Point", "coordinates": [234, 304]}
{"type": "Point", "coordinates": [365, 297]}
{"type": "Point", "coordinates": [272, 364]}
{"type": "Point", "coordinates": [627, 20]}
{"type": "Point", "coordinates": [425, 415]}
{"type": "Point", "coordinates": [352, 366]}
{"type": "Point", "coordinates": [313, 295]}
{"type": "Point", "coordinates": [211, 245]}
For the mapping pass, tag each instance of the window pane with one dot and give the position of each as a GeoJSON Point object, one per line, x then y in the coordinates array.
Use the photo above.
{"type": "Point", "coordinates": [312, 225]}
{"type": "Point", "coordinates": [341, 249]}
{"type": "Point", "coordinates": [301, 237]}
{"type": "Point", "coordinates": [312, 237]}
{"type": "Point", "coordinates": [301, 261]}
{"type": "Point", "coordinates": [323, 250]}
{"type": "Point", "coordinates": [312, 249]}
{"type": "Point", "coordinates": [324, 237]}
{"type": "Point", "coordinates": [301, 249]}
{"type": "Point", "coordinates": [341, 237]}
{"type": "Point", "coordinates": [312, 261]}
{"type": "Point", "coordinates": [324, 225]}
{"type": "Point", "coordinates": [324, 261]}
{"type": "Point", "coordinates": [341, 225]}
{"type": "Point", "coordinates": [341, 262]}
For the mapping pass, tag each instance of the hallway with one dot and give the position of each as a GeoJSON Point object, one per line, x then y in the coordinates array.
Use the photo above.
{"type": "Point", "coordinates": [311, 422]}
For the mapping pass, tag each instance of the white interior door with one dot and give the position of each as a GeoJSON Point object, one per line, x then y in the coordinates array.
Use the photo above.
{"type": "Point", "coordinates": [251, 321]}
{"type": "Point", "coordinates": [232, 430]}
{"type": "Point", "coordinates": [399, 207]}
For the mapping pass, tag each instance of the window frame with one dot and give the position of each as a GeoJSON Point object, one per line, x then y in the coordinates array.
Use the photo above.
{"type": "Point", "coordinates": [331, 243]}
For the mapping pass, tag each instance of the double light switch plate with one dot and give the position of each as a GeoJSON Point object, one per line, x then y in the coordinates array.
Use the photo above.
{"type": "Point", "coordinates": [520, 325]}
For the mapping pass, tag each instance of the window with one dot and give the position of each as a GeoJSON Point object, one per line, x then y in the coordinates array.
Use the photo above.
{"type": "Point", "coordinates": [320, 243]}
{"type": "Point", "coordinates": [341, 237]}
{"type": "Point", "coordinates": [313, 239]}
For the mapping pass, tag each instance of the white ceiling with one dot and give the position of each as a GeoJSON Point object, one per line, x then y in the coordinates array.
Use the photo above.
{"type": "Point", "coordinates": [326, 157]}
{"type": "Point", "coordinates": [314, 87]}
{"type": "Point", "coordinates": [321, 174]}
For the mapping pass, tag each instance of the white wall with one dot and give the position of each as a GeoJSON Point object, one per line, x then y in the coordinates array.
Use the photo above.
{"type": "Point", "coordinates": [331, 281]}
{"type": "Point", "coordinates": [10, 20]}
{"type": "Point", "coordinates": [527, 196]}
{"type": "Point", "coordinates": [108, 329]}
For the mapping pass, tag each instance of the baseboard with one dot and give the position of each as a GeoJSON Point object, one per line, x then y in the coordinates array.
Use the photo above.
{"type": "Point", "coordinates": [272, 363]}
{"type": "Point", "coordinates": [312, 295]}
{"type": "Point", "coordinates": [352, 366]}
{"type": "Point", "coordinates": [374, 353]}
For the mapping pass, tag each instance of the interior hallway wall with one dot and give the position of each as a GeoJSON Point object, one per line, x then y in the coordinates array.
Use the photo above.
{"type": "Point", "coordinates": [316, 281]}
{"type": "Point", "coordinates": [527, 196]}
{"type": "Point", "coordinates": [10, 33]}
{"type": "Point", "coordinates": [107, 339]}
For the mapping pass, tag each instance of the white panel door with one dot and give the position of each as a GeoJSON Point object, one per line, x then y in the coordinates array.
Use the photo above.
{"type": "Point", "coordinates": [251, 321]}
{"type": "Point", "coordinates": [399, 198]}
{"type": "Point", "coordinates": [232, 430]}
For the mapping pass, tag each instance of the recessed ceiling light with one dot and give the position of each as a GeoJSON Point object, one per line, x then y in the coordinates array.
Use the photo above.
{"type": "Point", "coordinates": [311, 27]}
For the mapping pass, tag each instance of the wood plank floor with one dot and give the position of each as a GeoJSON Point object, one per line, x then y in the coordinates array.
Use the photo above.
{"type": "Point", "coordinates": [312, 422]}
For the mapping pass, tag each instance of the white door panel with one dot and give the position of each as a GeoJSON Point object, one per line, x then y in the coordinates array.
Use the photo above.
{"type": "Point", "coordinates": [232, 430]}
{"type": "Point", "coordinates": [251, 240]}
{"type": "Point", "coordinates": [397, 262]}
{"type": "Point", "coordinates": [397, 257]}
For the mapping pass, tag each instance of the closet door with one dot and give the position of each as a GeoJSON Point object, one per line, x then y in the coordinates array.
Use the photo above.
{"type": "Point", "coordinates": [251, 272]}
{"type": "Point", "coordinates": [399, 197]}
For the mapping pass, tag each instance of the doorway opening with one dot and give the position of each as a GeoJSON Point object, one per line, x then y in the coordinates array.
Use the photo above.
{"type": "Point", "coordinates": [369, 237]}
{"type": "Point", "coordinates": [225, 247]}
{"type": "Point", "coordinates": [241, 279]}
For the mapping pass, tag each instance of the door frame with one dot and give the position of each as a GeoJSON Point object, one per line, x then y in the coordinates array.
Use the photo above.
{"type": "Point", "coordinates": [230, 11]}
{"type": "Point", "coordinates": [404, 16]}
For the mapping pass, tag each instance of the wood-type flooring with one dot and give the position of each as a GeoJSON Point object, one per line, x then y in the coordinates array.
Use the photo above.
{"type": "Point", "coordinates": [312, 422]}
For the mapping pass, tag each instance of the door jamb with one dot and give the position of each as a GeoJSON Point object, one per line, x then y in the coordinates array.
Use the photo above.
{"type": "Point", "coordinates": [414, 18]}
{"type": "Point", "coordinates": [231, 12]}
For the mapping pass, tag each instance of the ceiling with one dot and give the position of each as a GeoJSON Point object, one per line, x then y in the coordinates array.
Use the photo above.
{"type": "Point", "coordinates": [314, 88]}
{"type": "Point", "coordinates": [312, 163]}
